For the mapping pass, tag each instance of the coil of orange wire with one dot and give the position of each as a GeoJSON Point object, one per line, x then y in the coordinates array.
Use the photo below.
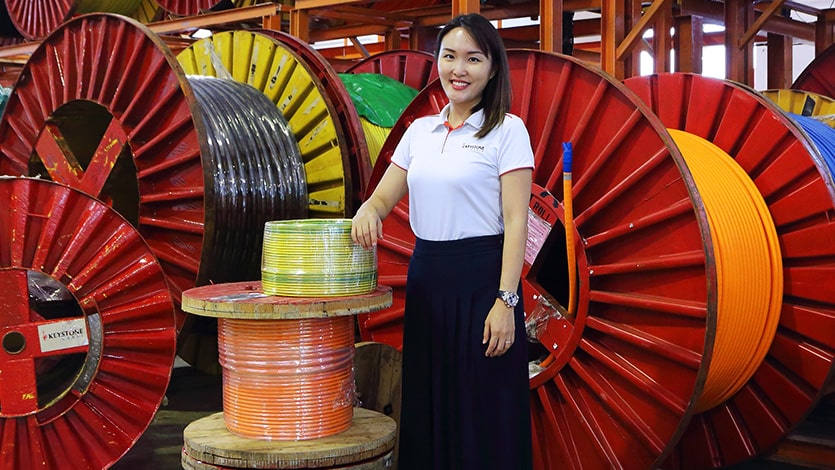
{"type": "Point", "coordinates": [749, 267]}
{"type": "Point", "coordinates": [287, 379]}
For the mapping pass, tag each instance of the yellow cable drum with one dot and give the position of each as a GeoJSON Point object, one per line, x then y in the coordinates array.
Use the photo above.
{"type": "Point", "coordinates": [375, 137]}
{"type": "Point", "coordinates": [748, 263]}
{"type": "Point", "coordinates": [804, 103]}
{"type": "Point", "coordinates": [148, 11]}
{"type": "Point", "coordinates": [267, 64]}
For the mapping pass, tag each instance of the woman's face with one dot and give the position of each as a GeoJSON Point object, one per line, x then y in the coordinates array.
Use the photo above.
{"type": "Point", "coordinates": [463, 68]}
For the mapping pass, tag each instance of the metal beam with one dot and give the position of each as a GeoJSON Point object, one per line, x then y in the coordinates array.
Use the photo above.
{"type": "Point", "coordinates": [650, 16]}
{"type": "Point", "coordinates": [235, 15]}
{"type": "Point", "coordinates": [759, 22]}
{"type": "Point", "coordinates": [714, 12]}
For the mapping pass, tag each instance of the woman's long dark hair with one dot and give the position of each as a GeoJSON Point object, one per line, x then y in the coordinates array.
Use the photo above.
{"type": "Point", "coordinates": [495, 100]}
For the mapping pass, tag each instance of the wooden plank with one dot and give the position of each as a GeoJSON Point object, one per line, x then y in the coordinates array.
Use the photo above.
{"type": "Point", "coordinates": [779, 57]}
{"type": "Point", "coordinates": [377, 374]}
{"type": "Point", "coordinates": [825, 31]}
{"type": "Point", "coordinates": [612, 30]}
{"type": "Point", "coordinates": [551, 27]}
{"type": "Point", "coordinates": [462, 7]}
{"type": "Point", "coordinates": [739, 62]}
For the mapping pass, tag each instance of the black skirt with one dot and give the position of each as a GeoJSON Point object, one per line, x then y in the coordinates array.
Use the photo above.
{"type": "Point", "coordinates": [460, 409]}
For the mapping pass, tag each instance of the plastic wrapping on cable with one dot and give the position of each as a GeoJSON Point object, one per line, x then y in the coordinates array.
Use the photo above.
{"type": "Point", "coordinates": [257, 176]}
{"type": "Point", "coordinates": [378, 98]}
{"type": "Point", "coordinates": [379, 101]}
{"type": "Point", "coordinates": [287, 379]}
{"type": "Point", "coordinates": [536, 322]}
{"type": "Point", "coordinates": [5, 93]}
{"type": "Point", "coordinates": [315, 258]}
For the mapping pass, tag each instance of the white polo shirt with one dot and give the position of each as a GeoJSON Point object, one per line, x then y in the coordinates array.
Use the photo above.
{"type": "Point", "coordinates": [453, 177]}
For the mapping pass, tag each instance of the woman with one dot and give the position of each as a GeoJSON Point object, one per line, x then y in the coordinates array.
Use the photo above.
{"type": "Point", "coordinates": [468, 172]}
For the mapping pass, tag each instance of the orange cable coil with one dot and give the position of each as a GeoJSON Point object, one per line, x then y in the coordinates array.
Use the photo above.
{"type": "Point", "coordinates": [287, 379]}
{"type": "Point", "coordinates": [748, 264]}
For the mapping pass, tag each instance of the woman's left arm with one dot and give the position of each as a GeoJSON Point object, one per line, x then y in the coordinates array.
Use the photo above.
{"type": "Point", "coordinates": [499, 328]}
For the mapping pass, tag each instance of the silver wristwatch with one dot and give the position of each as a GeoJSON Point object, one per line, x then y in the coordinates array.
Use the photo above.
{"type": "Point", "coordinates": [509, 298]}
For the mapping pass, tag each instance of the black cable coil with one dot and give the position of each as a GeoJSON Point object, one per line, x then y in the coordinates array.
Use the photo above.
{"type": "Point", "coordinates": [254, 173]}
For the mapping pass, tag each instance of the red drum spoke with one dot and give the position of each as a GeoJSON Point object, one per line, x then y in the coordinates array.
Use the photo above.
{"type": "Point", "coordinates": [57, 158]}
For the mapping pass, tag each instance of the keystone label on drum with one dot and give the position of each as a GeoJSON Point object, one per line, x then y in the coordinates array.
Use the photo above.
{"type": "Point", "coordinates": [63, 335]}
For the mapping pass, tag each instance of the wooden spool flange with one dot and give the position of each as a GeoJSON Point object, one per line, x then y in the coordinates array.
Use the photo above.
{"type": "Point", "coordinates": [367, 444]}
{"type": "Point", "coordinates": [245, 300]}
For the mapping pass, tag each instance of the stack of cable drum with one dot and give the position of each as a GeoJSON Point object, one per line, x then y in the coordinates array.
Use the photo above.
{"type": "Point", "coordinates": [290, 379]}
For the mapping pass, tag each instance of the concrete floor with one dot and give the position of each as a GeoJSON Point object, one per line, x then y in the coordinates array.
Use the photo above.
{"type": "Point", "coordinates": [193, 394]}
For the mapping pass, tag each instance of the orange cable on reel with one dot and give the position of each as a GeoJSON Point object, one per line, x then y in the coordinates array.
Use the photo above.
{"type": "Point", "coordinates": [749, 267]}
{"type": "Point", "coordinates": [287, 379]}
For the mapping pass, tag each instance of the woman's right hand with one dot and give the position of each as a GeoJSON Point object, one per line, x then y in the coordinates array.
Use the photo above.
{"type": "Point", "coordinates": [366, 227]}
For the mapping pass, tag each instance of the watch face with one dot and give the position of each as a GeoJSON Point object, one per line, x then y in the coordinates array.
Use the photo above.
{"type": "Point", "coordinates": [510, 298]}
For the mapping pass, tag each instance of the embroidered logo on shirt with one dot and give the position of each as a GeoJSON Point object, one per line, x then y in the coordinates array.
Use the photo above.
{"type": "Point", "coordinates": [477, 148]}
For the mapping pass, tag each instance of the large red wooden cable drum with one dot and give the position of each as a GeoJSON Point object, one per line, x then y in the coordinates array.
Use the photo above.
{"type": "Point", "coordinates": [627, 363]}
{"type": "Point", "coordinates": [793, 177]}
{"type": "Point", "coordinates": [88, 333]}
{"type": "Point", "coordinates": [103, 106]}
{"type": "Point", "coordinates": [36, 19]}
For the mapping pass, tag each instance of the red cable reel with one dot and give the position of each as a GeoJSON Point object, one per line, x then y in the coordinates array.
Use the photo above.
{"type": "Point", "coordinates": [88, 334]}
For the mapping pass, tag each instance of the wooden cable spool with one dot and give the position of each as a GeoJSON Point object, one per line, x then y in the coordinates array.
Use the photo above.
{"type": "Point", "coordinates": [367, 434]}
{"type": "Point", "coordinates": [819, 76]}
{"type": "Point", "coordinates": [804, 103]}
{"type": "Point", "coordinates": [412, 68]}
{"type": "Point", "coordinates": [797, 186]}
{"type": "Point", "coordinates": [319, 112]}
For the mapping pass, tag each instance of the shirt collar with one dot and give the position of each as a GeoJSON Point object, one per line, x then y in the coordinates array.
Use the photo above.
{"type": "Point", "coordinates": [476, 119]}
